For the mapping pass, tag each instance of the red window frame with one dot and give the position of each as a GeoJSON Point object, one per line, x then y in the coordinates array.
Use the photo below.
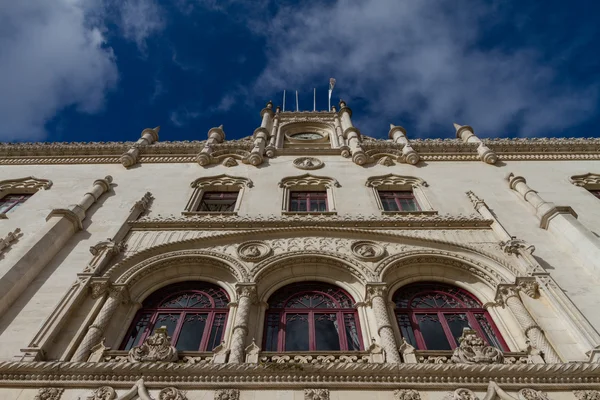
{"type": "Point", "coordinates": [595, 192]}
{"type": "Point", "coordinates": [276, 315]}
{"type": "Point", "coordinates": [152, 309]}
{"type": "Point", "coordinates": [232, 197]}
{"type": "Point", "coordinates": [306, 197]}
{"type": "Point", "coordinates": [13, 200]}
{"type": "Point", "coordinates": [470, 306]}
{"type": "Point", "coordinates": [396, 196]}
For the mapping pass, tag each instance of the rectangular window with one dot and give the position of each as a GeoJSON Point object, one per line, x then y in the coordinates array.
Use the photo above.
{"type": "Point", "coordinates": [595, 193]}
{"type": "Point", "coordinates": [398, 201]}
{"type": "Point", "coordinates": [218, 201]}
{"type": "Point", "coordinates": [308, 201]}
{"type": "Point", "coordinates": [11, 201]}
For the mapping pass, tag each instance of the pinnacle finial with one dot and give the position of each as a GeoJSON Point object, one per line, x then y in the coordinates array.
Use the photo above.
{"type": "Point", "coordinates": [221, 126]}
{"type": "Point", "coordinates": [157, 129]}
{"type": "Point", "coordinates": [392, 126]}
{"type": "Point", "coordinates": [457, 126]}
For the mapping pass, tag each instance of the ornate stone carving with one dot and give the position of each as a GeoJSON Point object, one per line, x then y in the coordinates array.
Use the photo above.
{"type": "Point", "coordinates": [30, 184]}
{"type": "Point", "coordinates": [367, 251]}
{"type": "Point", "coordinates": [462, 394]}
{"type": "Point", "coordinates": [532, 394]}
{"type": "Point", "coordinates": [514, 246]}
{"type": "Point", "coordinates": [143, 203]}
{"type": "Point", "coordinates": [406, 394]}
{"type": "Point", "coordinates": [10, 237]}
{"type": "Point", "coordinates": [529, 286]}
{"type": "Point", "coordinates": [103, 393]}
{"type": "Point", "coordinates": [472, 350]}
{"type": "Point", "coordinates": [316, 394]}
{"type": "Point", "coordinates": [589, 179]}
{"type": "Point", "coordinates": [308, 180]}
{"type": "Point", "coordinates": [108, 245]}
{"type": "Point", "coordinates": [49, 394]}
{"type": "Point", "coordinates": [221, 180]}
{"type": "Point", "coordinates": [395, 180]}
{"type": "Point", "coordinates": [587, 394]}
{"type": "Point", "coordinates": [156, 347]}
{"type": "Point", "coordinates": [98, 288]}
{"type": "Point", "coordinates": [386, 161]}
{"type": "Point", "coordinates": [252, 353]}
{"type": "Point", "coordinates": [254, 251]}
{"type": "Point", "coordinates": [227, 394]}
{"type": "Point", "coordinates": [229, 162]}
{"type": "Point", "coordinates": [171, 393]}
{"type": "Point", "coordinates": [308, 163]}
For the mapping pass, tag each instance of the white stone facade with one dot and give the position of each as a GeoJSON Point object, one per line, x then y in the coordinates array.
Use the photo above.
{"type": "Point", "coordinates": [511, 221]}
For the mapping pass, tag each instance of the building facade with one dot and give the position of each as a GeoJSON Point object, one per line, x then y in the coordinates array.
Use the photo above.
{"type": "Point", "coordinates": [307, 261]}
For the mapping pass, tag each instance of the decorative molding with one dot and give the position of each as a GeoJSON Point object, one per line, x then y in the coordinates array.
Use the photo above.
{"type": "Point", "coordinates": [472, 350]}
{"type": "Point", "coordinates": [254, 251]}
{"type": "Point", "coordinates": [316, 394]}
{"type": "Point", "coordinates": [309, 181]}
{"type": "Point", "coordinates": [308, 163]}
{"type": "Point", "coordinates": [227, 394]}
{"type": "Point", "coordinates": [366, 250]}
{"type": "Point", "coordinates": [49, 394]}
{"type": "Point", "coordinates": [462, 394]}
{"type": "Point", "coordinates": [386, 161]}
{"type": "Point", "coordinates": [221, 180]}
{"type": "Point", "coordinates": [406, 394]}
{"type": "Point", "coordinates": [395, 180]}
{"type": "Point", "coordinates": [10, 237]}
{"type": "Point", "coordinates": [29, 184]}
{"type": "Point", "coordinates": [156, 347]}
{"type": "Point", "coordinates": [586, 180]}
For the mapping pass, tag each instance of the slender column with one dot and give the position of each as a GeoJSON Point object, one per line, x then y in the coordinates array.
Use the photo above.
{"type": "Point", "coordinates": [116, 295]}
{"type": "Point", "coordinates": [509, 295]}
{"type": "Point", "coordinates": [339, 133]}
{"type": "Point", "coordinates": [272, 146]}
{"type": "Point", "coordinates": [375, 297]}
{"type": "Point", "coordinates": [466, 134]}
{"type": "Point", "coordinates": [352, 135]}
{"type": "Point", "coordinates": [215, 136]}
{"type": "Point", "coordinates": [261, 136]}
{"type": "Point", "coordinates": [246, 297]}
{"type": "Point", "coordinates": [398, 135]}
{"type": "Point", "coordinates": [148, 137]}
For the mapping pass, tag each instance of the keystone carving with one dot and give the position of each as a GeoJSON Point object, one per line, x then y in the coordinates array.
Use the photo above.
{"type": "Point", "coordinates": [472, 350]}
{"type": "Point", "coordinates": [316, 394]}
{"type": "Point", "coordinates": [227, 394]}
{"type": "Point", "coordinates": [156, 347]}
{"type": "Point", "coordinates": [406, 394]}
{"type": "Point", "coordinates": [308, 163]}
{"type": "Point", "coordinates": [49, 394]}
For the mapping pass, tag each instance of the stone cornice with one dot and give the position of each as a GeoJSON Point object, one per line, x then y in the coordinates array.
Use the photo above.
{"type": "Point", "coordinates": [416, 220]}
{"type": "Point", "coordinates": [332, 375]}
{"type": "Point", "coordinates": [186, 151]}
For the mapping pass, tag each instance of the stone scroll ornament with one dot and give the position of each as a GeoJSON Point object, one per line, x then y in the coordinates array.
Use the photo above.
{"type": "Point", "coordinates": [156, 347]}
{"type": "Point", "coordinates": [472, 350]}
{"type": "Point", "coordinates": [138, 391]}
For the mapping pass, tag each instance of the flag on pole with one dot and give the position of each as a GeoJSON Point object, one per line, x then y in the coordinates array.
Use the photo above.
{"type": "Point", "coordinates": [331, 85]}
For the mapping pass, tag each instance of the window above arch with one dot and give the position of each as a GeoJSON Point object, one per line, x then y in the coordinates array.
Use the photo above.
{"type": "Point", "coordinates": [397, 193]}
{"type": "Point", "coordinates": [15, 192]}
{"type": "Point", "coordinates": [194, 314]}
{"type": "Point", "coordinates": [220, 194]}
{"type": "Point", "coordinates": [311, 316]}
{"type": "Point", "coordinates": [308, 194]}
{"type": "Point", "coordinates": [432, 316]}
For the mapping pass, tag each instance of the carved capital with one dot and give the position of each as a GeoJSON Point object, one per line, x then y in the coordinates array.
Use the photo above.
{"type": "Point", "coordinates": [374, 290]}
{"type": "Point", "coordinates": [529, 286]}
{"type": "Point", "coordinates": [98, 288]}
{"type": "Point", "coordinates": [246, 290]}
{"type": "Point", "coordinates": [506, 291]}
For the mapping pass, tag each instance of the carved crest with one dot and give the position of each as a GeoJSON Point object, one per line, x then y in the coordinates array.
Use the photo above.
{"type": "Point", "coordinates": [472, 350]}
{"type": "Point", "coordinates": [308, 163]}
{"type": "Point", "coordinates": [367, 251]}
{"type": "Point", "coordinates": [254, 251]}
{"type": "Point", "coordinates": [156, 347]}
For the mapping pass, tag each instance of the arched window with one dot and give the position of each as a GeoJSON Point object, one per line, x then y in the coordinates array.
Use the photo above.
{"type": "Point", "coordinates": [431, 316]}
{"type": "Point", "coordinates": [311, 316]}
{"type": "Point", "coordinates": [194, 313]}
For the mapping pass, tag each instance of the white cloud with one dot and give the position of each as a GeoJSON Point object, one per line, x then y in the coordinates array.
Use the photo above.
{"type": "Point", "coordinates": [419, 59]}
{"type": "Point", "coordinates": [50, 59]}
{"type": "Point", "coordinates": [139, 19]}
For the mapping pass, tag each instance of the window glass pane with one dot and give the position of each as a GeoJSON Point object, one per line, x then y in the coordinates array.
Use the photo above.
{"type": "Point", "coordinates": [137, 332]}
{"type": "Point", "coordinates": [389, 205]}
{"type": "Point", "coordinates": [408, 204]}
{"type": "Point", "coordinates": [327, 332]}
{"type": "Point", "coordinates": [488, 331]}
{"type": "Point", "coordinates": [302, 204]}
{"type": "Point", "coordinates": [272, 332]}
{"type": "Point", "coordinates": [456, 323]}
{"type": "Point", "coordinates": [293, 205]}
{"type": "Point", "coordinates": [218, 201]}
{"type": "Point", "coordinates": [216, 333]}
{"type": "Point", "coordinates": [432, 331]}
{"type": "Point", "coordinates": [351, 332]}
{"type": "Point", "coordinates": [191, 332]}
{"type": "Point", "coordinates": [168, 320]}
{"type": "Point", "coordinates": [406, 329]}
{"type": "Point", "coordinates": [296, 332]}
{"type": "Point", "coordinates": [323, 205]}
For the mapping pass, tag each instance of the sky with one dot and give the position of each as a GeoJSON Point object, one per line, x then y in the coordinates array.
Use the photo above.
{"type": "Point", "coordinates": [103, 70]}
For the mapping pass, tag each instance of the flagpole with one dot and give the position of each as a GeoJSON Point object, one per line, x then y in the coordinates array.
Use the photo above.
{"type": "Point", "coordinates": [283, 99]}
{"type": "Point", "coordinates": [296, 101]}
{"type": "Point", "coordinates": [314, 99]}
{"type": "Point", "coordinates": [331, 85]}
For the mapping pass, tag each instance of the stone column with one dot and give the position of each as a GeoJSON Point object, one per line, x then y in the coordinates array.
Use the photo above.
{"type": "Point", "coordinates": [261, 136]}
{"type": "Point", "coordinates": [148, 137]}
{"type": "Point", "coordinates": [246, 297]}
{"type": "Point", "coordinates": [116, 295]}
{"type": "Point", "coordinates": [215, 136]}
{"type": "Point", "coordinates": [398, 135]}
{"type": "Point", "coordinates": [272, 146]}
{"type": "Point", "coordinates": [509, 295]}
{"type": "Point", "coordinates": [466, 134]}
{"type": "Point", "coordinates": [30, 258]}
{"type": "Point", "coordinates": [376, 298]}
{"type": "Point", "coordinates": [352, 135]}
{"type": "Point", "coordinates": [345, 150]}
{"type": "Point", "coordinates": [562, 222]}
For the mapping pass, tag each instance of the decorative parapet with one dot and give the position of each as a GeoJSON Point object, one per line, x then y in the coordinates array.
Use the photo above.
{"type": "Point", "coordinates": [156, 347]}
{"type": "Point", "coordinates": [472, 350]}
{"type": "Point", "coordinates": [445, 357]}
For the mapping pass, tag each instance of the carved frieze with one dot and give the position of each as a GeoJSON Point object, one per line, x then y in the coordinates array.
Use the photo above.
{"type": "Point", "coordinates": [587, 394]}
{"type": "Point", "coordinates": [532, 394]}
{"type": "Point", "coordinates": [227, 394]}
{"type": "Point", "coordinates": [103, 393]}
{"type": "Point", "coordinates": [49, 394]}
{"type": "Point", "coordinates": [171, 393]}
{"type": "Point", "coordinates": [406, 394]}
{"type": "Point", "coordinates": [316, 394]}
{"type": "Point", "coordinates": [368, 251]}
{"type": "Point", "coordinates": [308, 163]}
{"type": "Point", "coordinates": [156, 347]}
{"type": "Point", "coordinates": [473, 350]}
{"type": "Point", "coordinates": [462, 394]}
{"type": "Point", "coordinates": [254, 251]}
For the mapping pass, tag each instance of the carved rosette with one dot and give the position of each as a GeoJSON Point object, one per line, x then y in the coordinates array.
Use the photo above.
{"type": "Point", "coordinates": [532, 394]}
{"type": "Point", "coordinates": [171, 393]}
{"type": "Point", "coordinates": [103, 393]}
{"type": "Point", "coordinates": [308, 163]}
{"type": "Point", "coordinates": [156, 347]}
{"type": "Point", "coordinates": [227, 394]}
{"type": "Point", "coordinates": [406, 394]}
{"type": "Point", "coordinates": [254, 251]}
{"type": "Point", "coordinates": [462, 394]}
{"type": "Point", "coordinates": [49, 394]}
{"type": "Point", "coordinates": [472, 350]}
{"type": "Point", "coordinates": [367, 251]}
{"type": "Point", "coordinates": [587, 394]}
{"type": "Point", "coordinates": [316, 394]}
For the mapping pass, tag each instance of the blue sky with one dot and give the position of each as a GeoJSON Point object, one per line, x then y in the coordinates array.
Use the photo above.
{"type": "Point", "coordinates": [103, 70]}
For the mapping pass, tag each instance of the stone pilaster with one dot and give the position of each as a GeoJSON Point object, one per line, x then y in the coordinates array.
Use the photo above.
{"type": "Point", "coordinates": [398, 135]}
{"type": "Point", "coordinates": [509, 295]}
{"type": "Point", "coordinates": [466, 134]}
{"type": "Point", "coordinates": [246, 297]}
{"type": "Point", "coordinates": [376, 298]}
{"type": "Point", "coordinates": [215, 136]}
{"type": "Point", "coordinates": [132, 155]}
